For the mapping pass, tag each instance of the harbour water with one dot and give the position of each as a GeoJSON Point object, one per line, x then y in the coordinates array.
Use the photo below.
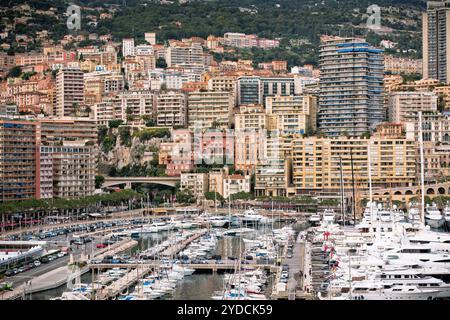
{"type": "Point", "coordinates": [199, 286]}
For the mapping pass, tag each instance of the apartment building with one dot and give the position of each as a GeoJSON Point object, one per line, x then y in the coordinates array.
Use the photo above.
{"type": "Point", "coordinates": [206, 108]}
{"type": "Point", "coordinates": [351, 86]}
{"type": "Point", "coordinates": [171, 109]}
{"type": "Point", "coordinates": [250, 132]}
{"type": "Point", "coordinates": [404, 105]}
{"type": "Point", "coordinates": [292, 114]}
{"type": "Point", "coordinates": [399, 65]}
{"type": "Point", "coordinates": [317, 163]}
{"type": "Point", "coordinates": [235, 183]}
{"type": "Point", "coordinates": [128, 47]}
{"type": "Point", "coordinates": [242, 40]}
{"type": "Point", "coordinates": [69, 150]}
{"type": "Point", "coordinates": [255, 89]}
{"type": "Point", "coordinates": [69, 91]}
{"type": "Point", "coordinates": [197, 183]}
{"type": "Point", "coordinates": [135, 104]}
{"type": "Point", "coordinates": [435, 128]}
{"type": "Point", "coordinates": [435, 41]}
{"type": "Point", "coordinates": [19, 160]}
{"type": "Point", "coordinates": [150, 37]}
{"type": "Point", "coordinates": [177, 155]}
{"type": "Point", "coordinates": [179, 53]}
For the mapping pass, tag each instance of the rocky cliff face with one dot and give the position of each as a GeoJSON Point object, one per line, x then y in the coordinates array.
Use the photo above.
{"type": "Point", "coordinates": [132, 152]}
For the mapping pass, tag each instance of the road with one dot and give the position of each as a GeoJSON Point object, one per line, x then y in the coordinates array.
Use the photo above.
{"type": "Point", "coordinates": [77, 251]}
{"type": "Point", "coordinates": [125, 215]}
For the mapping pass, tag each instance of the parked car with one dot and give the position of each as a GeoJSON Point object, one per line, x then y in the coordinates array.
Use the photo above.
{"type": "Point", "coordinates": [37, 263]}
{"type": "Point", "coordinates": [9, 272]}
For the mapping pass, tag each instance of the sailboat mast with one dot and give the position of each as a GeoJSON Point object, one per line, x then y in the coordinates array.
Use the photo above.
{"type": "Point", "coordinates": [422, 178]}
{"type": "Point", "coordinates": [272, 215]}
{"type": "Point", "coordinates": [369, 158]}
{"type": "Point", "coordinates": [229, 210]}
{"type": "Point", "coordinates": [342, 191]}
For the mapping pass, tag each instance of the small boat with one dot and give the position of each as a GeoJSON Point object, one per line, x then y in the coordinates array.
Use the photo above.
{"type": "Point", "coordinates": [250, 217]}
{"type": "Point", "coordinates": [183, 270]}
{"type": "Point", "coordinates": [433, 217]}
{"type": "Point", "coordinates": [234, 232]}
{"type": "Point", "coordinates": [328, 217]}
{"type": "Point", "coordinates": [315, 219]}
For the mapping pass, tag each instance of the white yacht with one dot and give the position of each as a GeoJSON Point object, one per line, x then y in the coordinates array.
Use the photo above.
{"type": "Point", "coordinates": [251, 217]}
{"type": "Point", "coordinates": [447, 215]}
{"type": "Point", "coordinates": [414, 214]}
{"type": "Point", "coordinates": [218, 221]}
{"type": "Point", "coordinates": [433, 217]}
{"type": "Point", "coordinates": [369, 290]}
{"type": "Point", "coordinates": [328, 217]}
{"type": "Point", "coordinates": [385, 215]}
{"type": "Point", "coordinates": [183, 270]}
{"type": "Point", "coordinates": [411, 277]}
{"type": "Point", "coordinates": [315, 219]}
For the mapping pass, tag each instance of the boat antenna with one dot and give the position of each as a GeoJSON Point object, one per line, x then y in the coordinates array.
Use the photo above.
{"type": "Point", "coordinates": [229, 210]}
{"type": "Point", "coordinates": [422, 183]}
{"type": "Point", "coordinates": [342, 190]}
{"type": "Point", "coordinates": [353, 188]}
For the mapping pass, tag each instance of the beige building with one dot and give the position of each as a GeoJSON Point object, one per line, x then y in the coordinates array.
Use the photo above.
{"type": "Point", "coordinates": [69, 150]}
{"type": "Point", "coordinates": [69, 91]}
{"type": "Point", "coordinates": [235, 183]}
{"type": "Point", "coordinates": [436, 128]}
{"type": "Point", "coordinates": [224, 83]}
{"type": "Point", "coordinates": [292, 114]}
{"type": "Point", "coordinates": [150, 37]}
{"type": "Point", "coordinates": [208, 107]}
{"type": "Point", "coordinates": [436, 137]}
{"type": "Point", "coordinates": [250, 126]}
{"type": "Point", "coordinates": [406, 104]}
{"type": "Point", "coordinates": [444, 92]}
{"type": "Point", "coordinates": [316, 163]}
{"type": "Point", "coordinates": [171, 109]}
{"type": "Point", "coordinates": [183, 53]}
{"type": "Point", "coordinates": [197, 183]}
{"type": "Point", "coordinates": [135, 104]}
{"type": "Point", "coordinates": [273, 174]}
{"type": "Point", "coordinates": [398, 65]}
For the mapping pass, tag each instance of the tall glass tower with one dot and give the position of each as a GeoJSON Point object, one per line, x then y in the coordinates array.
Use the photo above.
{"type": "Point", "coordinates": [435, 39]}
{"type": "Point", "coordinates": [351, 86]}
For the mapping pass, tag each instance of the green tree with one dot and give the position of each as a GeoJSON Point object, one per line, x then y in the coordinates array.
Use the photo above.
{"type": "Point", "coordinates": [14, 72]}
{"type": "Point", "coordinates": [99, 180]}
{"type": "Point", "coordinates": [114, 123]}
{"type": "Point", "coordinates": [161, 63]}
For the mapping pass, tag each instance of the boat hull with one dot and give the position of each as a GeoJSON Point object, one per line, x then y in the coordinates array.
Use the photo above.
{"type": "Point", "coordinates": [435, 223]}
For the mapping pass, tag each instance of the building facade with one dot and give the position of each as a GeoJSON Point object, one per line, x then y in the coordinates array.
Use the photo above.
{"type": "Point", "coordinates": [351, 87]}
{"type": "Point", "coordinates": [69, 92]}
{"type": "Point", "coordinates": [435, 41]}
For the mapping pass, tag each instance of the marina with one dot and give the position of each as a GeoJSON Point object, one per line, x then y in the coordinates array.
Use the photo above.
{"type": "Point", "coordinates": [387, 254]}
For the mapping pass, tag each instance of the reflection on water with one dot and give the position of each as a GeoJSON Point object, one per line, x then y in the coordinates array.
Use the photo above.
{"type": "Point", "coordinates": [198, 287]}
